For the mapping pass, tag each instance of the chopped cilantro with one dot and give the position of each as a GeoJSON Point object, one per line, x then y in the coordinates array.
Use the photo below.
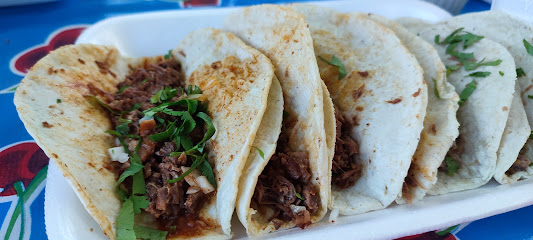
{"type": "Point", "coordinates": [193, 90]}
{"type": "Point", "coordinates": [452, 68]}
{"type": "Point", "coordinates": [125, 221]}
{"type": "Point", "coordinates": [435, 89]}
{"type": "Point", "coordinates": [531, 135]}
{"type": "Point", "coordinates": [479, 74]}
{"type": "Point", "coordinates": [121, 90]}
{"type": "Point", "coordinates": [528, 47]}
{"type": "Point", "coordinates": [197, 161]}
{"type": "Point", "coordinates": [139, 202]}
{"type": "Point", "coordinates": [261, 154]}
{"type": "Point", "coordinates": [469, 89]}
{"type": "Point", "coordinates": [520, 72]}
{"type": "Point", "coordinates": [336, 62]}
{"type": "Point", "coordinates": [123, 126]}
{"type": "Point", "coordinates": [530, 96]}
{"type": "Point", "coordinates": [298, 195]}
{"type": "Point", "coordinates": [501, 73]}
{"type": "Point", "coordinates": [206, 170]}
{"type": "Point", "coordinates": [150, 233]}
{"type": "Point", "coordinates": [13, 89]}
{"type": "Point", "coordinates": [469, 66]}
{"type": "Point", "coordinates": [58, 100]}
{"type": "Point", "coordinates": [452, 166]}
{"type": "Point", "coordinates": [130, 171]}
{"type": "Point", "coordinates": [103, 104]}
{"type": "Point", "coordinates": [168, 55]}
{"type": "Point", "coordinates": [145, 80]}
{"type": "Point", "coordinates": [163, 95]}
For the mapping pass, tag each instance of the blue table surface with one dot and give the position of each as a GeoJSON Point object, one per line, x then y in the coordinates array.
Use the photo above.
{"type": "Point", "coordinates": [29, 26]}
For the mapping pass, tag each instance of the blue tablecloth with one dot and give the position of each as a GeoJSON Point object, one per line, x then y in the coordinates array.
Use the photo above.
{"type": "Point", "coordinates": [29, 32]}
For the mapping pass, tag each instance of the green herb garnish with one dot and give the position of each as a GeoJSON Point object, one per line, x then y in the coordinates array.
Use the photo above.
{"type": "Point", "coordinates": [435, 89]}
{"type": "Point", "coordinates": [528, 46]}
{"type": "Point", "coordinates": [168, 55]}
{"type": "Point", "coordinates": [261, 154]}
{"type": "Point", "coordinates": [531, 135]}
{"type": "Point", "coordinates": [452, 166]}
{"type": "Point", "coordinates": [102, 104]}
{"type": "Point", "coordinates": [469, 89]}
{"type": "Point", "coordinates": [150, 233]}
{"type": "Point", "coordinates": [206, 170]}
{"type": "Point", "coordinates": [163, 95]}
{"type": "Point", "coordinates": [520, 72]}
{"type": "Point", "coordinates": [451, 68]}
{"type": "Point", "coordinates": [501, 73]}
{"type": "Point", "coordinates": [479, 74]}
{"type": "Point", "coordinates": [121, 90]}
{"type": "Point", "coordinates": [469, 66]}
{"type": "Point", "coordinates": [193, 90]}
{"type": "Point", "coordinates": [298, 195]}
{"type": "Point", "coordinates": [336, 62]}
{"type": "Point", "coordinates": [530, 96]}
{"type": "Point", "coordinates": [58, 100]}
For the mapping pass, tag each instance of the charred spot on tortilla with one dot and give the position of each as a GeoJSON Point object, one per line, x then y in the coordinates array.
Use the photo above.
{"type": "Point", "coordinates": [161, 166]}
{"type": "Point", "coordinates": [285, 185]}
{"type": "Point", "coordinates": [357, 93]}
{"type": "Point", "coordinates": [395, 101]}
{"type": "Point", "coordinates": [346, 164]}
{"type": "Point", "coordinates": [81, 61]}
{"type": "Point", "coordinates": [434, 129]}
{"type": "Point", "coordinates": [417, 92]}
{"type": "Point", "coordinates": [363, 74]}
{"type": "Point", "coordinates": [47, 125]}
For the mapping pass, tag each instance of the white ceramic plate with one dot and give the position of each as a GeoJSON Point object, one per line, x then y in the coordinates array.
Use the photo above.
{"type": "Point", "coordinates": [150, 34]}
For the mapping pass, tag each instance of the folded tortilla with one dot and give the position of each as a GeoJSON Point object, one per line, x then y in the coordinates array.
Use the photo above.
{"type": "Point", "coordinates": [71, 130]}
{"type": "Point", "coordinates": [283, 36]}
{"type": "Point", "coordinates": [389, 111]}
{"type": "Point", "coordinates": [441, 127]}
{"type": "Point", "coordinates": [510, 32]}
{"type": "Point", "coordinates": [483, 117]}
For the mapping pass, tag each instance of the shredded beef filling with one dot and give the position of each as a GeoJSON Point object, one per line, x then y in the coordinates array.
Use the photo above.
{"type": "Point", "coordinates": [169, 202]}
{"type": "Point", "coordinates": [346, 169]}
{"type": "Point", "coordinates": [455, 152]}
{"type": "Point", "coordinates": [285, 188]}
{"type": "Point", "coordinates": [521, 164]}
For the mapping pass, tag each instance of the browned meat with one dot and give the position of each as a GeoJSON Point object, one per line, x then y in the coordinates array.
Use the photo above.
{"type": "Point", "coordinates": [521, 164]}
{"type": "Point", "coordinates": [302, 219]}
{"type": "Point", "coordinates": [193, 201]}
{"type": "Point", "coordinates": [296, 164]}
{"type": "Point", "coordinates": [168, 202]}
{"type": "Point", "coordinates": [285, 180]}
{"type": "Point", "coordinates": [346, 168]}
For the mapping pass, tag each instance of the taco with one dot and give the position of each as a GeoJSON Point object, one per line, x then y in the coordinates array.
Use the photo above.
{"type": "Point", "coordinates": [179, 129]}
{"type": "Point", "coordinates": [515, 155]}
{"type": "Point", "coordinates": [441, 127]}
{"type": "Point", "coordinates": [483, 74]}
{"type": "Point", "coordinates": [286, 183]}
{"type": "Point", "coordinates": [380, 102]}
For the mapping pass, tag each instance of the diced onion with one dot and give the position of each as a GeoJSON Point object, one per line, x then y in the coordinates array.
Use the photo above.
{"type": "Point", "coordinates": [190, 178]}
{"type": "Point", "coordinates": [117, 142]}
{"type": "Point", "coordinates": [145, 118]}
{"type": "Point", "coordinates": [334, 215]}
{"type": "Point", "coordinates": [192, 190]}
{"type": "Point", "coordinates": [296, 209]}
{"type": "Point", "coordinates": [118, 154]}
{"type": "Point", "coordinates": [204, 184]}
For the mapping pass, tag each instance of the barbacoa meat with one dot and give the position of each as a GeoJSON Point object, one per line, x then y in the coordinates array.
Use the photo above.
{"type": "Point", "coordinates": [286, 176]}
{"type": "Point", "coordinates": [168, 201]}
{"type": "Point", "coordinates": [521, 164]}
{"type": "Point", "coordinates": [346, 169]}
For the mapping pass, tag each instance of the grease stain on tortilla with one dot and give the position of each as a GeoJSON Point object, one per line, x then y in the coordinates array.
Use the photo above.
{"type": "Point", "coordinates": [395, 101]}
{"type": "Point", "coordinates": [505, 108]}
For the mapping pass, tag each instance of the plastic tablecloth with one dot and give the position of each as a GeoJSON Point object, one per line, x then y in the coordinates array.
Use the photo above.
{"type": "Point", "coordinates": [29, 32]}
